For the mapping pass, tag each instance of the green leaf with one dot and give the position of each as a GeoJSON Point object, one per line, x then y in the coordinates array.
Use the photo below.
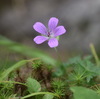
{"type": "Point", "coordinates": [14, 67]}
{"type": "Point", "coordinates": [84, 93]}
{"type": "Point", "coordinates": [19, 64]}
{"type": "Point", "coordinates": [85, 68]}
{"type": "Point", "coordinates": [48, 96]}
{"type": "Point", "coordinates": [25, 50]}
{"type": "Point", "coordinates": [33, 85]}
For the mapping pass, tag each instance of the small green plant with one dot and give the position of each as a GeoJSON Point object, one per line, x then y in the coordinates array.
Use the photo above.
{"type": "Point", "coordinates": [42, 77]}
{"type": "Point", "coordinates": [59, 87]}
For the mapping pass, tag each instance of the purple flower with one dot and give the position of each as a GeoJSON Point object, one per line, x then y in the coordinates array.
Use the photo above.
{"type": "Point", "coordinates": [49, 34]}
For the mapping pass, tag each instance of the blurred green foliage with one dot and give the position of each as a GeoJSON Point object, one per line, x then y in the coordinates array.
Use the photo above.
{"type": "Point", "coordinates": [77, 78]}
{"type": "Point", "coordinates": [25, 50]}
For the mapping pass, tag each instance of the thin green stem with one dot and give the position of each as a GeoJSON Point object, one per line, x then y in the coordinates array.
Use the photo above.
{"type": "Point", "coordinates": [59, 58]}
{"type": "Point", "coordinates": [56, 49]}
{"type": "Point", "coordinates": [13, 82]}
{"type": "Point", "coordinates": [82, 74]}
{"type": "Point", "coordinates": [40, 93]}
{"type": "Point", "coordinates": [60, 62]}
{"type": "Point", "coordinates": [94, 54]}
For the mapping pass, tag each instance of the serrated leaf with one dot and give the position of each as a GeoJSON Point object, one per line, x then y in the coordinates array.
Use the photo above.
{"type": "Point", "coordinates": [33, 85]}
{"type": "Point", "coordinates": [85, 66]}
{"type": "Point", "coordinates": [84, 93]}
{"type": "Point", "coordinates": [48, 96]}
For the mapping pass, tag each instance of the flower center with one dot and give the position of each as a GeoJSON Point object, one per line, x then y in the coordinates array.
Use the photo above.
{"type": "Point", "coordinates": [50, 34]}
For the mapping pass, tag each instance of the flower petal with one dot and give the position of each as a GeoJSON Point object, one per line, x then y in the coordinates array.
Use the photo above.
{"type": "Point", "coordinates": [40, 39]}
{"type": "Point", "coordinates": [39, 27]}
{"type": "Point", "coordinates": [59, 31]}
{"type": "Point", "coordinates": [52, 23]}
{"type": "Point", "coordinates": [53, 42]}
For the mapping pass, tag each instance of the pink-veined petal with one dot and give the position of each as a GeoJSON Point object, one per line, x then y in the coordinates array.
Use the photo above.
{"type": "Point", "coordinates": [39, 27]}
{"type": "Point", "coordinates": [52, 23]}
{"type": "Point", "coordinates": [59, 30]}
{"type": "Point", "coordinates": [40, 39]}
{"type": "Point", "coordinates": [53, 42]}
